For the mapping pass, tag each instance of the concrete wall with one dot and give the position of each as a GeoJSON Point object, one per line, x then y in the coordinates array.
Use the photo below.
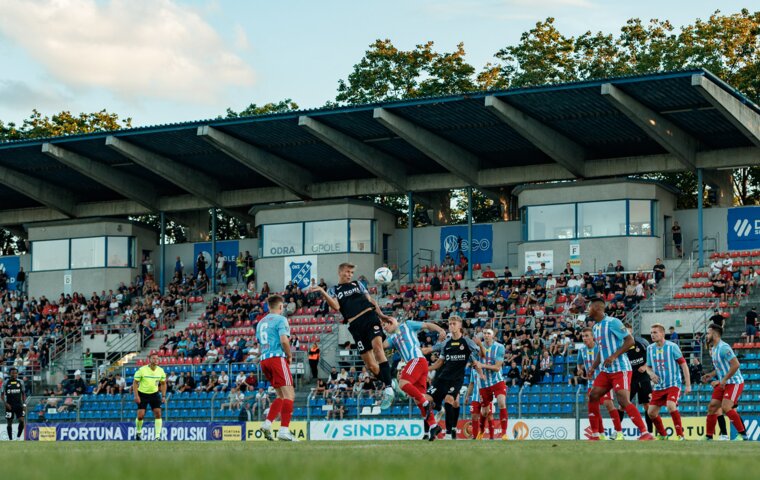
{"type": "Point", "coordinates": [715, 226]}
{"type": "Point", "coordinates": [683, 321]}
{"type": "Point", "coordinates": [100, 343]}
{"type": "Point", "coordinates": [272, 269]}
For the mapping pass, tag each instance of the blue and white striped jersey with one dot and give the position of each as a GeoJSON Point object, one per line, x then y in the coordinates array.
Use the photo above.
{"type": "Point", "coordinates": [664, 362]}
{"type": "Point", "coordinates": [494, 353]}
{"type": "Point", "coordinates": [609, 335]}
{"type": "Point", "coordinates": [268, 333]}
{"type": "Point", "coordinates": [586, 358]}
{"type": "Point", "coordinates": [477, 384]}
{"type": "Point", "coordinates": [722, 354]}
{"type": "Point", "coordinates": [405, 340]}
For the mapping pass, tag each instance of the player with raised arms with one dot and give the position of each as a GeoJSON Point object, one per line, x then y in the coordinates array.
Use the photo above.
{"type": "Point", "coordinates": [363, 316]}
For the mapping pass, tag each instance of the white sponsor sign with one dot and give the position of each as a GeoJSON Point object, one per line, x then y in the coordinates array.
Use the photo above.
{"type": "Point", "coordinates": [534, 259]}
{"type": "Point", "coordinates": [366, 430]}
{"type": "Point", "coordinates": [542, 429]}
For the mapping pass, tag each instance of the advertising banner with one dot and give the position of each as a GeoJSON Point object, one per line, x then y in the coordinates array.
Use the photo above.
{"type": "Point", "coordinates": [524, 429]}
{"type": "Point", "coordinates": [693, 427]}
{"type": "Point", "coordinates": [300, 431]}
{"type": "Point", "coordinates": [125, 431]}
{"type": "Point", "coordinates": [366, 430]}
{"type": "Point", "coordinates": [228, 248]}
{"type": "Point", "coordinates": [300, 270]}
{"type": "Point", "coordinates": [454, 240]}
{"type": "Point", "coordinates": [534, 259]}
{"type": "Point", "coordinates": [10, 266]}
{"type": "Point", "coordinates": [743, 228]}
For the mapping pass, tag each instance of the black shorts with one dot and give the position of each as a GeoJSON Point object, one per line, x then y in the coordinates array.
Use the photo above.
{"type": "Point", "coordinates": [16, 411]}
{"type": "Point", "coordinates": [641, 388]}
{"type": "Point", "coordinates": [442, 387]}
{"type": "Point", "coordinates": [149, 399]}
{"type": "Point", "coordinates": [365, 328]}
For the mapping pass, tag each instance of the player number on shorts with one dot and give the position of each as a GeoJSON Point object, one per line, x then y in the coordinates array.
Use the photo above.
{"type": "Point", "coordinates": [263, 333]}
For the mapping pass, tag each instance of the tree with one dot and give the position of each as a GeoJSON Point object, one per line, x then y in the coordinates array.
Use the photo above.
{"type": "Point", "coordinates": [386, 73]}
{"type": "Point", "coordinates": [251, 110]}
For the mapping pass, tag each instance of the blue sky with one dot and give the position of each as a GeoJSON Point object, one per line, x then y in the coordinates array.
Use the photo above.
{"type": "Point", "coordinates": [163, 61]}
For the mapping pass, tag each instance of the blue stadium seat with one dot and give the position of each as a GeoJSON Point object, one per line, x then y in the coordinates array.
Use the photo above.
{"type": "Point", "coordinates": [544, 410]}
{"type": "Point", "coordinates": [555, 409]}
{"type": "Point", "coordinates": [533, 409]}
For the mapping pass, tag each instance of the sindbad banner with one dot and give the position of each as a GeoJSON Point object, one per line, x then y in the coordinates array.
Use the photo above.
{"type": "Point", "coordinates": [523, 429]}
{"type": "Point", "coordinates": [124, 431]}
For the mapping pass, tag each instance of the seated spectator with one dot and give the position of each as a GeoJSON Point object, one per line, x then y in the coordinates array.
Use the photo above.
{"type": "Point", "coordinates": [659, 271]}
{"type": "Point", "coordinates": [546, 364]}
{"type": "Point", "coordinates": [435, 283]}
{"type": "Point", "coordinates": [513, 375]}
{"type": "Point", "coordinates": [235, 399]}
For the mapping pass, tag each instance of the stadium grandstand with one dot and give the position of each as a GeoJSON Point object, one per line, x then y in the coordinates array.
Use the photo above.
{"type": "Point", "coordinates": [99, 294]}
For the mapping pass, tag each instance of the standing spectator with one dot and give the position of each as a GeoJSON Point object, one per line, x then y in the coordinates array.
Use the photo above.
{"type": "Point", "coordinates": [659, 271]}
{"type": "Point", "coordinates": [240, 265]}
{"type": "Point", "coordinates": [20, 280]}
{"type": "Point", "coordinates": [750, 321]}
{"type": "Point", "coordinates": [200, 263]}
{"type": "Point", "coordinates": [673, 337]}
{"type": "Point", "coordinates": [314, 353]}
{"type": "Point", "coordinates": [677, 239]}
{"type": "Point", "coordinates": [221, 263]}
{"type": "Point", "coordinates": [717, 318]}
{"type": "Point", "coordinates": [87, 363]}
{"type": "Point", "coordinates": [179, 268]}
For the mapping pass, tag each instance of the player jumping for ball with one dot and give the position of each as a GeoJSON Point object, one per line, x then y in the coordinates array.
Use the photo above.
{"type": "Point", "coordinates": [363, 316]}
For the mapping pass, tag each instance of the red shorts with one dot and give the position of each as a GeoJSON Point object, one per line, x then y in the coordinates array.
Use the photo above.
{"type": "Point", "coordinates": [277, 372]}
{"type": "Point", "coordinates": [475, 408]}
{"type": "Point", "coordinates": [732, 392]}
{"type": "Point", "coordinates": [660, 398]}
{"type": "Point", "coordinates": [614, 381]}
{"type": "Point", "coordinates": [487, 394]}
{"type": "Point", "coordinates": [605, 397]}
{"type": "Point", "coordinates": [416, 373]}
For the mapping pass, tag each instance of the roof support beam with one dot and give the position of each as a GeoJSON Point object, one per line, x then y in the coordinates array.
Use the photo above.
{"type": "Point", "coordinates": [494, 177]}
{"type": "Point", "coordinates": [745, 119]}
{"type": "Point", "coordinates": [280, 171]}
{"type": "Point", "coordinates": [377, 162]}
{"type": "Point", "coordinates": [452, 157]}
{"type": "Point", "coordinates": [123, 183]}
{"type": "Point", "coordinates": [192, 181]}
{"type": "Point", "coordinates": [55, 197]}
{"type": "Point", "coordinates": [560, 148]}
{"type": "Point", "coordinates": [660, 129]}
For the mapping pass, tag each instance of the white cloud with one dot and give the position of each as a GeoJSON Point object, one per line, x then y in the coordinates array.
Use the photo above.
{"type": "Point", "coordinates": [15, 94]}
{"type": "Point", "coordinates": [241, 38]}
{"type": "Point", "coordinates": [132, 48]}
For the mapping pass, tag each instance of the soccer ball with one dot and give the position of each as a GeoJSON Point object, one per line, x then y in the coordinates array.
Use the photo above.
{"type": "Point", "coordinates": [383, 275]}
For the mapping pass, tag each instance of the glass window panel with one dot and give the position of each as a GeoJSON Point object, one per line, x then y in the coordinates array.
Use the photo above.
{"type": "Point", "coordinates": [88, 252]}
{"type": "Point", "coordinates": [548, 222]}
{"type": "Point", "coordinates": [601, 219]}
{"type": "Point", "coordinates": [640, 217]}
{"type": "Point", "coordinates": [326, 237]}
{"type": "Point", "coordinates": [285, 239]}
{"type": "Point", "coordinates": [361, 236]}
{"type": "Point", "coordinates": [50, 255]}
{"type": "Point", "coordinates": [118, 252]}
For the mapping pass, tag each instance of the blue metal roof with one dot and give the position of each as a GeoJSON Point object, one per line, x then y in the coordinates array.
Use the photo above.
{"type": "Point", "coordinates": [577, 110]}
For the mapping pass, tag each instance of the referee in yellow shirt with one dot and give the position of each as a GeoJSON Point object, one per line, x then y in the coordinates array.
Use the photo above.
{"type": "Point", "coordinates": [147, 382]}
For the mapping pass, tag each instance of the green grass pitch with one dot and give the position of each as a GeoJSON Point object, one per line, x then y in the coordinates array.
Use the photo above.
{"type": "Point", "coordinates": [383, 460]}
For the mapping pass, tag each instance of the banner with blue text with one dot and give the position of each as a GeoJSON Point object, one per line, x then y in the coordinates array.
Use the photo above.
{"type": "Point", "coordinates": [123, 431]}
{"type": "Point", "coordinates": [454, 240]}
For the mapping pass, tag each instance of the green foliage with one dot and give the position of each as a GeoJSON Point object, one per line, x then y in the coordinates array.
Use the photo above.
{"type": "Point", "coordinates": [251, 110]}
{"type": "Point", "coordinates": [62, 124]}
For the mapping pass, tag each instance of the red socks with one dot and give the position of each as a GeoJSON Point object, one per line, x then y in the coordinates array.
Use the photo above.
{"type": "Point", "coordinates": [659, 426]}
{"type": "Point", "coordinates": [676, 416]}
{"type": "Point", "coordinates": [491, 428]}
{"type": "Point", "coordinates": [274, 409]}
{"type": "Point", "coordinates": [635, 416]}
{"type": "Point", "coordinates": [594, 416]}
{"type": "Point", "coordinates": [616, 420]}
{"type": "Point", "coordinates": [710, 426]}
{"type": "Point", "coordinates": [475, 428]}
{"type": "Point", "coordinates": [413, 393]}
{"type": "Point", "coordinates": [287, 412]}
{"type": "Point", "coordinates": [736, 420]}
{"type": "Point", "coordinates": [504, 419]}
